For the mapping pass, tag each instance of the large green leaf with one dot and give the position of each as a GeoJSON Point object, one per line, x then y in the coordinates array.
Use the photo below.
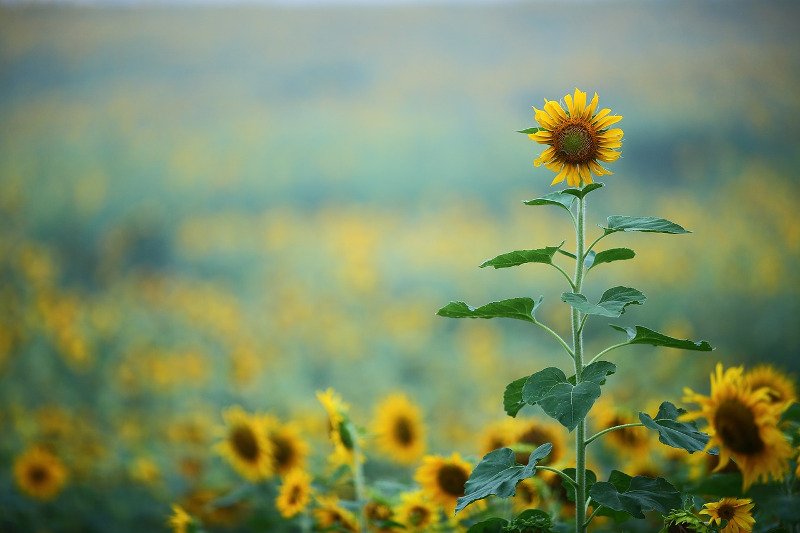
{"type": "Point", "coordinates": [512, 397]}
{"type": "Point", "coordinates": [612, 304]}
{"type": "Point", "coordinates": [591, 479]}
{"type": "Point", "coordinates": [597, 372]}
{"type": "Point", "coordinates": [491, 525]}
{"type": "Point", "coordinates": [518, 308]}
{"type": "Point", "coordinates": [558, 199]}
{"type": "Point", "coordinates": [636, 495]}
{"type": "Point", "coordinates": [566, 402]}
{"type": "Point", "coordinates": [683, 435]}
{"type": "Point", "coordinates": [646, 224]}
{"type": "Point", "coordinates": [580, 193]}
{"type": "Point", "coordinates": [608, 256]}
{"type": "Point", "coordinates": [643, 335]}
{"type": "Point", "coordinates": [498, 473]}
{"type": "Point", "coordinates": [529, 131]}
{"type": "Point", "coordinates": [520, 257]}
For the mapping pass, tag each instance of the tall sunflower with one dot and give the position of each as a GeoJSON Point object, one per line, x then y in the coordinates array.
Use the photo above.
{"type": "Point", "coordinates": [736, 511]}
{"type": "Point", "coordinates": [342, 434]}
{"type": "Point", "coordinates": [330, 515]}
{"type": "Point", "coordinates": [399, 430]}
{"type": "Point", "coordinates": [246, 446]}
{"type": "Point", "coordinates": [289, 450]}
{"type": "Point", "coordinates": [417, 512]}
{"type": "Point", "coordinates": [294, 494]}
{"type": "Point", "coordinates": [742, 423]}
{"type": "Point", "coordinates": [578, 139]}
{"type": "Point", "coordinates": [39, 473]}
{"type": "Point", "coordinates": [537, 432]}
{"type": "Point", "coordinates": [780, 389]}
{"type": "Point", "coordinates": [443, 478]}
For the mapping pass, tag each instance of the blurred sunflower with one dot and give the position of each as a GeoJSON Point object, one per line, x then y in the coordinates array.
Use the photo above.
{"type": "Point", "coordinates": [379, 515]}
{"type": "Point", "coordinates": [340, 430]}
{"type": "Point", "coordinates": [736, 511]}
{"type": "Point", "coordinates": [180, 520]}
{"type": "Point", "coordinates": [330, 515]}
{"type": "Point", "coordinates": [527, 496]}
{"type": "Point", "coordinates": [398, 427]}
{"type": "Point", "coordinates": [39, 473]}
{"type": "Point", "coordinates": [537, 432]}
{"type": "Point", "coordinates": [443, 478]}
{"type": "Point", "coordinates": [499, 434]}
{"type": "Point", "coordinates": [607, 414]}
{"type": "Point", "coordinates": [578, 139]}
{"type": "Point", "coordinates": [246, 446]}
{"type": "Point", "coordinates": [780, 389]}
{"type": "Point", "coordinates": [416, 512]}
{"type": "Point", "coordinates": [289, 450]}
{"type": "Point", "coordinates": [294, 494]}
{"type": "Point", "coordinates": [743, 425]}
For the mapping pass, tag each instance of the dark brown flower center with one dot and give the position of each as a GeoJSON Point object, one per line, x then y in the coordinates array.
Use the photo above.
{"type": "Point", "coordinates": [574, 143]}
{"type": "Point", "coordinates": [726, 511]}
{"type": "Point", "coordinates": [284, 452]}
{"type": "Point", "coordinates": [245, 443]}
{"type": "Point", "coordinates": [404, 431]}
{"type": "Point", "coordinates": [736, 427]}
{"type": "Point", "coordinates": [38, 474]}
{"type": "Point", "coordinates": [294, 496]}
{"type": "Point", "coordinates": [451, 479]}
{"type": "Point", "coordinates": [419, 516]}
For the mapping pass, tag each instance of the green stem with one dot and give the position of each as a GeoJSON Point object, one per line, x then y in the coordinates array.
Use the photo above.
{"type": "Point", "coordinates": [614, 347]}
{"type": "Point", "coordinates": [589, 249]}
{"type": "Point", "coordinates": [596, 509]}
{"type": "Point", "coordinates": [577, 350]}
{"type": "Point", "coordinates": [358, 478]}
{"type": "Point", "coordinates": [563, 475]}
{"type": "Point", "coordinates": [569, 280]}
{"type": "Point", "coordinates": [613, 428]}
{"type": "Point", "coordinates": [557, 337]}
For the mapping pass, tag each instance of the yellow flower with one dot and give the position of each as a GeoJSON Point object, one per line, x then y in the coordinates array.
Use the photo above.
{"type": "Point", "coordinates": [499, 434]}
{"type": "Point", "coordinates": [780, 389]}
{"type": "Point", "coordinates": [743, 425]}
{"type": "Point", "coordinates": [180, 520]}
{"type": "Point", "coordinates": [289, 450]}
{"type": "Point", "coordinates": [399, 430]}
{"type": "Point", "coordinates": [40, 474]}
{"type": "Point", "coordinates": [443, 478]}
{"type": "Point", "coordinates": [606, 414]}
{"type": "Point", "coordinates": [379, 515]}
{"type": "Point", "coordinates": [246, 446]}
{"type": "Point", "coordinates": [330, 515]}
{"type": "Point", "coordinates": [295, 493]}
{"type": "Point", "coordinates": [537, 432]}
{"type": "Point", "coordinates": [416, 512]}
{"type": "Point", "coordinates": [735, 511]}
{"type": "Point", "coordinates": [578, 139]}
{"type": "Point", "coordinates": [340, 430]}
{"type": "Point", "coordinates": [527, 496]}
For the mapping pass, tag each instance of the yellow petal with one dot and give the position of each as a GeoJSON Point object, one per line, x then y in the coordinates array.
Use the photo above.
{"type": "Point", "coordinates": [599, 170]}
{"type": "Point", "coordinates": [545, 157]}
{"type": "Point", "coordinates": [592, 106]}
{"type": "Point", "coordinates": [570, 105]}
{"type": "Point", "coordinates": [609, 156]}
{"type": "Point", "coordinates": [554, 165]}
{"type": "Point", "coordinates": [583, 172]}
{"type": "Point", "coordinates": [615, 133]}
{"type": "Point", "coordinates": [600, 115]}
{"type": "Point", "coordinates": [543, 118]}
{"type": "Point", "coordinates": [609, 144]}
{"type": "Point", "coordinates": [541, 137]}
{"type": "Point", "coordinates": [607, 121]}
{"type": "Point", "coordinates": [560, 176]}
{"type": "Point", "coordinates": [580, 102]}
{"type": "Point", "coordinates": [573, 178]}
{"type": "Point", "coordinates": [555, 109]}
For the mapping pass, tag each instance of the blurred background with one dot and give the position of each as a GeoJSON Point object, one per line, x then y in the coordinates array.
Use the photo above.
{"type": "Point", "coordinates": [208, 205]}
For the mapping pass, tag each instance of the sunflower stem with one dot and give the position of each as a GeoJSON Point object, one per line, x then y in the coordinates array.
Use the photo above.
{"type": "Point", "coordinates": [613, 428]}
{"type": "Point", "coordinates": [563, 475]}
{"type": "Point", "coordinates": [614, 347]}
{"type": "Point", "coordinates": [557, 337]}
{"type": "Point", "coordinates": [577, 351]}
{"type": "Point", "coordinates": [566, 276]}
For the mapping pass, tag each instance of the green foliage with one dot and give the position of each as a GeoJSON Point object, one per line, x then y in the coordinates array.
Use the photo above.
{"type": "Point", "coordinates": [607, 256]}
{"type": "Point", "coordinates": [498, 473]}
{"type": "Point", "coordinates": [683, 435]}
{"type": "Point", "coordinates": [635, 495]}
{"type": "Point", "coordinates": [591, 479]}
{"type": "Point", "coordinates": [490, 525]}
{"type": "Point", "coordinates": [512, 397]}
{"type": "Point", "coordinates": [596, 372]}
{"type": "Point", "coordinates": [646, 224]}
{"type": "Point", "coordinates": [528, 521]}
{"type": "Point", "coordinates": [643, 335]}
{"type": "Point", "coordinates": [517, 308]}
{"type": "Point", "coordinates": [580, 193]}
{"type": "Point", "coordinates": [560, 199]}
{"type": "Point", "coordinates": [529, 131]}
{"type": "Point", "coordinates": [520, 257]}
{"type": "Point", "coordinates": [564, 401]}
{"type": "Point", "coordinates": [612, 304]}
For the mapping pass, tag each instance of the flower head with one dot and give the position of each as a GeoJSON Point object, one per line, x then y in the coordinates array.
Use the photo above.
{"type": "Point", "coordinates": [40, 474]}
{"type": "Point", "coordinates": [399, 430]}
{"type": "Point", "coordinates": [246, 446]}
{"type": "Point", "coordinates": [737, 512]}
{"type": "Point", "coordinates": [578, 138]}
{"type": "Point", "coordinates": [443, 478]}
{"type": "Point", "coordinates": [416, 512]}
{"type": "Point", "coordinates": [289, 450]}
{"type": "Point", "coordinates": [294, 494]}
{"type": "Point", "coordinates": [780, 389]}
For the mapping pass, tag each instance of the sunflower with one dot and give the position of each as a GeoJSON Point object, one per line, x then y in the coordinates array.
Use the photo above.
{"type": "Point", "coordinates": [39, 473]}
{"type": "Point", "coordinates": [180, 520]}
{"type": "Point", "coordinates": [342, 435]}
{"type": "Point", "coordinates": [780, 388]}
{"type": "Point", "coordinates": [537, 432]}
{"type": "Point", "coordinates": [294, 494]}
{"type": "Point", "coordinates": [416, 512]}
{"type": "Point", "coordinates": [736, 511]}
{"type": "Point", "coordinates": [246, 446]}
{"type": "Point", "coordinates": [683, 521]}
{"type": "Point", "coordinates": [578, 139]}
{"type": "Point", "coordinates": [743, 425]}
{"type": "Point", "coordinates": [443, 478]}
{"type": "Point", "coordinates": [379, 515]}
{"type": "Point", "coordinates": [330, 515]}
{"type": "Point", "coordinates": [289, 450]}
{"type": "Point", "coordinates": [633, 439]}
{"type": "Point", "coordinates": [399, 429]}
{"type": "Point", "coordinates": [499, 434]}
{"type": "Point", "coordinates": [527, 495]}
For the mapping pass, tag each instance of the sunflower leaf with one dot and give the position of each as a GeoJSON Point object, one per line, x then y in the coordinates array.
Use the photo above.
{"type": "Point", "coordinates": [683, 435]}
{"type": "Point", "coordinates": [559, 199]}
{"type": "Point", "coordinates": [643, 335]}
{"type": "Point", "coordinates": [645, 224]}
{"type": "Point", "coordinates": [520, 257]}
{"type": "Point", "coordinates": [512, 397]}
{"type": "Point", "coordinates": [518, 308]}
{"type": "Point", "coordinates": [607, 256]}
{"type": "Point", "coordinates": [612, 304]}
{"type": "Point", "coordinates": [591, 479]}
{"type": "Point", "coordinates": [492, 525]}
{"type": "Point", "coordinates": [529, 131]}
{"type": "Point", "coordinates": [636, 495]}
{"type": "Point", "coordinates": [580, 193]}
{"type": "Point", "coordinates": [498, 473]}
{"type": "Point", "coordinates": [564, 401]}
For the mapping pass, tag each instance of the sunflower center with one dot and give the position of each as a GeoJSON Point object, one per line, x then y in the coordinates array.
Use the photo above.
{"type": "Point", "coordinates": [575, 143]}
{"type": "Point", "coordinates": [736, 426]}
{"type": "Point", "coordinates": [452, 479]}
{"type": "Point", "coordinates": [283, 451]}
{"type": "Point", "coordinates": [294, 496]}
{"type": "Point", "coordinates": [403, 431]}
{"type": "Point", "coordinates": [418, 516]}
{"type": "Point", "coordinates": [726, 511]}
{"type": "Point", "coordinates": [38, 474]}
{"type": "Point", "coordinates": [245, 443]}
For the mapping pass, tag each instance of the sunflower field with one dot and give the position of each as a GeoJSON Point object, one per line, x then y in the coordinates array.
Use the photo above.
{"type": "Point", "coordinates": [383, 267]}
